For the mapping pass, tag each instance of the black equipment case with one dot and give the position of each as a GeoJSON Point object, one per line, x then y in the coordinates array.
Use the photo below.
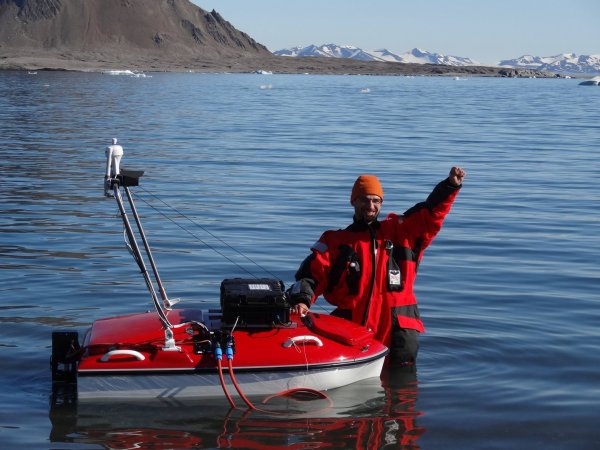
{"type": "Point", "coordinates": [256, 302]}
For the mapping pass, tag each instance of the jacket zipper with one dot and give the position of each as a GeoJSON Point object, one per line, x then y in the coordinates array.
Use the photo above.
{"type": "Point", "coordinates": [373, 275]}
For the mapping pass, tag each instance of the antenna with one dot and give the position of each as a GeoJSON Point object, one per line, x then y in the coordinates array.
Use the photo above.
{"type": "Point", "coordinates": [114, 153]}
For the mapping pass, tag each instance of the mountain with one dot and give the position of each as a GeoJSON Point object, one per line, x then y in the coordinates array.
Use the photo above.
{"type": "Point", "coordinates": [423, 57]}
{"type": "Point", "coordinates": [416, 56]}
{"type": "Point", "coordinates": [328, 51]}
{"type": "Point", "coordinates": [562, 63]}
{"type": "Point", "coordinates": [119, 30]}
{"type": "Point", "coordinates": [566, 63]}
{"type": "Point", "coordinates": [176, 35]}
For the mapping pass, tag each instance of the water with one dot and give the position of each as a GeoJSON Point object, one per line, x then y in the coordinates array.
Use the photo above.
{"type": "Point", "coordinates": [253, 168]}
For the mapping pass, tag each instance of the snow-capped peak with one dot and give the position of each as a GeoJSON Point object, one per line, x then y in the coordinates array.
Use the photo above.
{"type": "Point", "coordinates": [415, 55]}
{"type": "Point", "coordinates": [564, 62]}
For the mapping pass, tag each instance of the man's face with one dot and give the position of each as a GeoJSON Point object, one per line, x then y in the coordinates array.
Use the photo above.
{"type": "Point", "coordinates": [367, 207]}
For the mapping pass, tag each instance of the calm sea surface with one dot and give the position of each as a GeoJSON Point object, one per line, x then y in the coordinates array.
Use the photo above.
{"type": "Point", "coordinates": [243, 173]}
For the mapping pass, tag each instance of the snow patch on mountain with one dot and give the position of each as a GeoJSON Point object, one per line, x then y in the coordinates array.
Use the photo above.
{"type": "Point", "coordinates": [415, 55]}
{"type": "Point", "coordinates": [326, 50]}
{"type": "Point", "coordinates": [418, 56]}
{"type": "Point", "coordinates": [563, 63]}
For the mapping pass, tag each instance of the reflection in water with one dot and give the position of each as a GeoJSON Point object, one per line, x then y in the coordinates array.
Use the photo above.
{"type": "Point", "coordinates": [375, 413]}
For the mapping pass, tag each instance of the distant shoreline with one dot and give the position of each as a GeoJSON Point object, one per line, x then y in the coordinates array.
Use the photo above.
{"type": "Point", "coordinates": [95, 62]}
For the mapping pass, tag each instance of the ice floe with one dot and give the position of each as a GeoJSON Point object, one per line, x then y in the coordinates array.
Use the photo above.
{"type": "Point", "coordinates": [128, 73]}
{"type": "Point", "coordinates": [591, 82]}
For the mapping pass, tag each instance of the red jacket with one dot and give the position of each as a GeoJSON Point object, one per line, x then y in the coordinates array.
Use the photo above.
{"type": "Point", "coordinates": [371, 269]}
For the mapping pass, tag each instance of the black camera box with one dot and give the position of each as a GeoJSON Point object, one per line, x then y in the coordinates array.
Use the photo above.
{"type": "Point", "coordinates": [254, 302]}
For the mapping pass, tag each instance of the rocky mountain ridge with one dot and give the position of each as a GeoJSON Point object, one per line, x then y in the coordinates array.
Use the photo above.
{"type": "Point", "coordinates": [416, 55]}
{"type": "Point", "coordinates": [567, 63]}
{"type": "Point", "coordinates": [119, 30]}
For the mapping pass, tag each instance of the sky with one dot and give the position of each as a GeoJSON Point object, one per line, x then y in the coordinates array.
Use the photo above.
{"type": "Point", "coordinates": [484, 30]}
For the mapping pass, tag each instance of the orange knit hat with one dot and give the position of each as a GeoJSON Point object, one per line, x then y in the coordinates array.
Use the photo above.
{"type": "Point", "coordinates": [366, 185]}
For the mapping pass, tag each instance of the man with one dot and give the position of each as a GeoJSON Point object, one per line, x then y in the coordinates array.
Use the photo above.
{"type": "Point", "coordinates": [368, 269]}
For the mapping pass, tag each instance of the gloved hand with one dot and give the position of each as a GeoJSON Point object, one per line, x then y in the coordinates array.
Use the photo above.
{"type": "Point", "coordinates": [300, 295]}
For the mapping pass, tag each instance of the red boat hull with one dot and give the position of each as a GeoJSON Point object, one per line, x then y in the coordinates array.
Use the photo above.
{"type": "Point", "coordinates": [125, 357]}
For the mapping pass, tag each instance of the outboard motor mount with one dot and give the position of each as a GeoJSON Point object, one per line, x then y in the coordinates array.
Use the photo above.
{"type": "Point", "coordinates": [65, 356]}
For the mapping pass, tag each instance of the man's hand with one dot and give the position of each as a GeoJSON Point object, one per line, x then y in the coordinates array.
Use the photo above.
{"type": "Point", "coordinates": [300, 309]}
{"type": "Point", "coordinates": [456, 177]}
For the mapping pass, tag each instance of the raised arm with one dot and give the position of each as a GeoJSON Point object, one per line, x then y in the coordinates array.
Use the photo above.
{"type": "Point", "coordinates": [424, 220]}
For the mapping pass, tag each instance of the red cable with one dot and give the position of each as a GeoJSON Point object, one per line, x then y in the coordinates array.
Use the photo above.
{"type": "Point", "coordinates": [280, 394]}
{"type": "Point", "coordinates": [222, 380]}
{"type": "Point", "coordinates": [235, 383]}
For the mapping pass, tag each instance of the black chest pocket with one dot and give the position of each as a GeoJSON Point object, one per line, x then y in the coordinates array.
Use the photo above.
{"type": "Point", "coordinates": [346, 265]}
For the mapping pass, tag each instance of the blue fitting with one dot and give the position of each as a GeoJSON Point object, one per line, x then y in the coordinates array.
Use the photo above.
{"type": "Point", "coordinates": [229, 352]}
{"type": "Point", "coordinates": [218, 353]}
